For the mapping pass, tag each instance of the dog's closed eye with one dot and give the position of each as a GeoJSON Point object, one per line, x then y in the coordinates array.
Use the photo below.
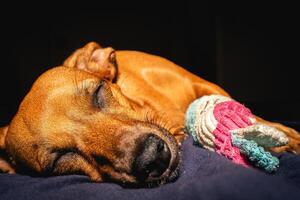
{"type": "Point", "coordinates": [103, 97]}
{"type": "Point", "coordinates": [98, 96]}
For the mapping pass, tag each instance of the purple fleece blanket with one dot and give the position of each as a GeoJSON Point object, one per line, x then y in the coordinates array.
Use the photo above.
{"type": "Point", "coordinates": [204, 175]}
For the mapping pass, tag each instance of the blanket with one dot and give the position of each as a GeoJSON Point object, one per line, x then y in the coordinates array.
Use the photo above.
{"type": "Point", "coordinates": [204, 175]}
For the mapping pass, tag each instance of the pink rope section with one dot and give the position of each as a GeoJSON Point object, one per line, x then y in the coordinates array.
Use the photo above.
{"type": "Point", "coordinates": [230, 115]}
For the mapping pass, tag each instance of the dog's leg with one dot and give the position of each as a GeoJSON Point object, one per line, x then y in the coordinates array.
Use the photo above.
{"type": "Point", "coordinates": [293, 135]}
{"type": "Point", "coordinates": [203, 87]}
{"type": "Point", "coordinates": [5, 167]}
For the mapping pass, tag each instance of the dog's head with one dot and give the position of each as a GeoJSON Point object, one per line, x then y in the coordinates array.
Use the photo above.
{"type": "Point", "coordinates": [76, 120]}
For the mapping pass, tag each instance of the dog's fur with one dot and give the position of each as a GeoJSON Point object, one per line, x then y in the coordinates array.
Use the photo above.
{"type": "Point", "coordinates": [93, 115]}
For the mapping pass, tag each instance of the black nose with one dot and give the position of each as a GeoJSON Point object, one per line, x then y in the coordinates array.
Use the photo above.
{"type": "Point", "coordinates": [152, 158]}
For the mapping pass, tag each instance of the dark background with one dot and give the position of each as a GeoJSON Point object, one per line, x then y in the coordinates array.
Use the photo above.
{"type": "Point", "coordinates": [251, 50]}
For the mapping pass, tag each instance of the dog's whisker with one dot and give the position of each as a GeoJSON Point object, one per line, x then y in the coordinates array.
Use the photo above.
{"type": "Point", "coordinates": [156, 120]}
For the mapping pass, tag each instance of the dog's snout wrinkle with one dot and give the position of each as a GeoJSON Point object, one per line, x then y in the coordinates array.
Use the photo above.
{"type": "Point", "coordinates": [152, 159]}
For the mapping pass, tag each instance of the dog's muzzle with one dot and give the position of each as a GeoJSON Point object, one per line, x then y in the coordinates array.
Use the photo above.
{"type": "Point", "coordinates": [152, 160]}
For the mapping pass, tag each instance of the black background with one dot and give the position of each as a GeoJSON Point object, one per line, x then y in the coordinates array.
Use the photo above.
{"type": "Point", "coordinates": [251, 50]}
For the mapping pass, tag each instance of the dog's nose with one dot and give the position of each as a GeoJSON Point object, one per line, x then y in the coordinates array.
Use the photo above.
{"type": "Point", "coordinates": [152, 160]}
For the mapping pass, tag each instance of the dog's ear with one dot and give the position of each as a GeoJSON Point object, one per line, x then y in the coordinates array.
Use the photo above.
{"type": "Point", "coordinates": [5, 166]}
{"type": "Point", "coordinates": [81, 56]}
{"type": "Point", "coordinates": [94, 59]}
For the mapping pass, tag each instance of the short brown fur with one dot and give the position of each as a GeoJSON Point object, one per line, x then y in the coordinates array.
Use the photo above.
{"type": "Point", "coordinates": [141, 93]}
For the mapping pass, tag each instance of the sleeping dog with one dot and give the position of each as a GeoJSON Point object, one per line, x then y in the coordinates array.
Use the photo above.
{"type": "Point", "coordinates": [111, 115]}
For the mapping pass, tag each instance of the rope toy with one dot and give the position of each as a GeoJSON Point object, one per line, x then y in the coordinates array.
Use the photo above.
{"type": "Point", "coordinates": [221, 124]}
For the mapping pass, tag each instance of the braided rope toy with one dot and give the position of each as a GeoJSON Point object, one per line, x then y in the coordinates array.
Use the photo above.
{"type": "Point", "coordinates": [220, 124]}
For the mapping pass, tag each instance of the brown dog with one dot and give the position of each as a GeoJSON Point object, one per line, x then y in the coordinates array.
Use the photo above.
{"type": "Point", "coordinates": [109, 115]}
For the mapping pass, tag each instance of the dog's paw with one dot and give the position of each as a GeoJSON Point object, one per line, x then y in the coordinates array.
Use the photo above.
{"type": "Point", "coordinates": [293, 145]}
{"type": "Point", "coordinates": [5, 167]}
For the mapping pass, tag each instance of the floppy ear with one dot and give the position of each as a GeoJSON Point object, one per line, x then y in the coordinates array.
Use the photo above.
{"type": "Point", "coordinates": [5, 166]}
{"type": "Point", "coordinates": [81, 56]}
{"type": "Point", "coordinates": [94, 59]}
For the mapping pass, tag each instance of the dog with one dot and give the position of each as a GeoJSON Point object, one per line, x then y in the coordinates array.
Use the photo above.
{"type": "Point", "coordinates": [111, 115]}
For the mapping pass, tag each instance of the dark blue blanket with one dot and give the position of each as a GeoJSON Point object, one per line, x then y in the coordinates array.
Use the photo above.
{"type": "Point", "coordinates": [204, 175]}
